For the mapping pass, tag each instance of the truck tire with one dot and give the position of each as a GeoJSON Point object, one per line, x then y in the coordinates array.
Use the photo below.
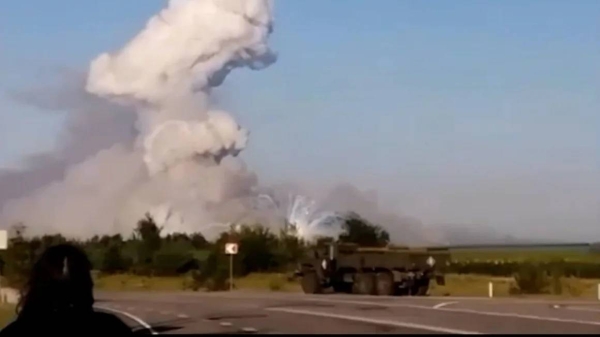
{"type": "Point", "coordinates": [310, 283]}
{"type": "Point", "coordinates": [342, 287]}
{"type": "Point", "coordinates": [420, 288]}
{"type": "Point", "coordinates": [364, 284]}
{"type": "Point", "coordinates": [385, 284]}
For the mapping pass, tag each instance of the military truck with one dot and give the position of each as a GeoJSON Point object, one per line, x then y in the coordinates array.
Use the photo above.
{"type": "Point", "coordinates": [348, 268]}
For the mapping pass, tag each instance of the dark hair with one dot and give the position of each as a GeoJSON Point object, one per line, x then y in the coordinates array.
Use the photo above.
{"type": "Point", "coordinates": [60, 281]}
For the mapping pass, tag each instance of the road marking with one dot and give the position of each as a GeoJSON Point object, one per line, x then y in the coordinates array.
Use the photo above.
{"type": "Point", "coordinates": [582, 309]}
{"type": "Point", "coordinates": [132, 317]}
{"type": "Point", "coordinates": [376, 321]}
{"type": "Point", "coordinates": [183, 316]}
{"type": "Point", "coordinates": [238, 295]}
{"type": "Point", "coordinates": [441, 305]}
{"type": "Point", "coordinates": [225, 324]}
{"type": "Point", "coordinates": [249, 330]}
{"type": "Point", "coordinates": [466, 311]}
{"type": "Point", "coordinates": [460, 298]}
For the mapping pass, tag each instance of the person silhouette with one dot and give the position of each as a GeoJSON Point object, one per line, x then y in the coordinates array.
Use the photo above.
{"type": "Point", "coordinates": [59, 298]}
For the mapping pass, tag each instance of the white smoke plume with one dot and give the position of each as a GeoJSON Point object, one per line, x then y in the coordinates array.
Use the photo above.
{"type": "Point", "coordinates": [181, 167]}
{"type": "Point", "coordinates": [141, 136]}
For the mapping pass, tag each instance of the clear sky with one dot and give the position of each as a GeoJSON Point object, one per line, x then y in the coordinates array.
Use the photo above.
{"type": "Point", "coordinates": [470, 112]}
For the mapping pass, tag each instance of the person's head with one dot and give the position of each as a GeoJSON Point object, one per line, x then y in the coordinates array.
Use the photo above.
{"type": "Point", "coordinates": [60, 280]}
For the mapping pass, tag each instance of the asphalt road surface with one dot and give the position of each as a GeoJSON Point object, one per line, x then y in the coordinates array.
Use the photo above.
{"type": "Point", "coordinates": [281, 313]}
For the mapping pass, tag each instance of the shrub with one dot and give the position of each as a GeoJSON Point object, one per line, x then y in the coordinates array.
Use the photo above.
{"type": "Point", "coordinates": [113, 261]}
{"type": "Point", "coordinates": [276, 283]}
{"type": "Point", "coordinates": [531, 279]}
{"type": "Point", "coordinates": [193, 280]}
{"type": "Point", "coordinates": [586, 270]}
{"type": "Point", "coordinates": [218, 282]}
{"type": "Point", "coordinates": [574, 286]}
{"type": "Point", "coordinates": [168, 259]}
{"type": "Point", "coordinates": [556, 280]}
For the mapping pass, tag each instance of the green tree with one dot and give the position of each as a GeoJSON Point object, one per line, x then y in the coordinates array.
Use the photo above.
{"type": "Point", "coordinates": [170, 257]}
{"type": "Point", "coordinates": [19, 258]}
{"type": "Point", "coordinates": [257, 249]}
{"type": "Point", "coordinates": [363, 233]}
{"type": "Point", "coordinates": [199, 241]}
{"type": "Point", "coordinates": [147, 235]}
{"type": "Point", "coordinates": [531, 278]}
{"type": "Point", "coordinates": [290, 250]}
{"type": "Point", "coordinates": [113, 260]}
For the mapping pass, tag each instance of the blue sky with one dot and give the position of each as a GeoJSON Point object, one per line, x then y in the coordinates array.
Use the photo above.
{"type": "Point", "coordinates": [455, 111]}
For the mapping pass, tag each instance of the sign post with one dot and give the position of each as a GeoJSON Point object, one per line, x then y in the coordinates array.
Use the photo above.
{"type": "Point", "coordinates": [231, 249]}
{"type": "Point", "coordinates": [3, 246]}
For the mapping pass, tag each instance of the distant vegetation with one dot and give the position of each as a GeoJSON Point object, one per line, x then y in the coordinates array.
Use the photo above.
{"type": "Point", "coordinates": [581, 253]}
{"type": "Point", "coordinates": [148, 253]}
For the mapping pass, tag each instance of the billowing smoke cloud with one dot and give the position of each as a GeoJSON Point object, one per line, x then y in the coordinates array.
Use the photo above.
{"type": "Point", "coordinates": [141, 136]}
{"type": "Point", "coordinates": [92, 124]}
{"type": "Point", "coordinates": [181, 166]}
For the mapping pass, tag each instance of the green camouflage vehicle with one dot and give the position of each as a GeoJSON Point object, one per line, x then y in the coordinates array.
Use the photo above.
{"type": "Point", "coordinates": [347, 268]}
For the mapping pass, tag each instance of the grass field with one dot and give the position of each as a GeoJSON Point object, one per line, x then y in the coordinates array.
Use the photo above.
{"type": "Point", "coordinates": [141, 283]}
{"type": "Point", "coordinates": [521, 254]}
{"type": "Point", "coordinates": [477, 285]}
{"type": "Point", "coordinates": [125, 282]}
{"type": "Point", "coordinates": [456, 285]}
{"type": "Point", "coordinates": [7, 312]}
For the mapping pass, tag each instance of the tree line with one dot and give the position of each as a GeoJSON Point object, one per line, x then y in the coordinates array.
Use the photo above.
{"type": "Point", "coordinates": [150, 253]}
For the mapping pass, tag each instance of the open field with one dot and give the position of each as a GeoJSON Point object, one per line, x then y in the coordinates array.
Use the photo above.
{"type": "Point", "coordinates": [477, 285]}
{"type": "Point", "coordinates": [523, 254]}
{"type": "Point", "coordinates": [7, 312]}
{"type": "Point", "coordinates": [142, 283]}
{"type": "Point", "coordinates": [456, 285]}
{"type": "Point", "coordinates": [125, 282]}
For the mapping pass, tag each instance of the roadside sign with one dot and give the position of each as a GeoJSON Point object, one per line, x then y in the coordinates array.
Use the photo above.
{"type": "Point", "coordinates": [3, 239]}
{"type": "Point", "coordinates": [231, 248]}
{"type": "Point", "coordinates": [3, 246]}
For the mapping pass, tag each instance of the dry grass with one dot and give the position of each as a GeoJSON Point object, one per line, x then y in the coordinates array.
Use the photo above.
{"type": "Point", "coordinates": [126, 282]}
{"type": "Point", "coordinates": [271, 282]}
{"type": "Point", "coordinates": [7, 313]}
{"type": "Point", "coordinates": [456, 285]}
{"type": "Point", "coordinates": [471, 285]}
{"type": "Point", "coordinates": [477, 285]}
{"type": "Point", "coordinates": [524, 254]}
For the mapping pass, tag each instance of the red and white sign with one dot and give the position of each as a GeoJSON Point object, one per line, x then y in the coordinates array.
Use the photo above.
{"type": "Point", "coordinates": [231, 248]}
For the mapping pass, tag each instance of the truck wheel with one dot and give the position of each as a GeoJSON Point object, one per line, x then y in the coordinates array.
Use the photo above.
{"type": "Point", "coordinates": [385, 284]}
{"type": "Point", "coordinates": [342, 287]}
{"type": "Point", "coordinates": [420, 288]}
{"type": "Point", "coordinates": [364, 284]}
{"type": "Point", "coordinates": [310, 283]}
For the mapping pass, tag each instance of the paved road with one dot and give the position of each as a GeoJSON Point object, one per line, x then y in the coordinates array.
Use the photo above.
{"type": "Point", "coordinates": [244, 312]}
